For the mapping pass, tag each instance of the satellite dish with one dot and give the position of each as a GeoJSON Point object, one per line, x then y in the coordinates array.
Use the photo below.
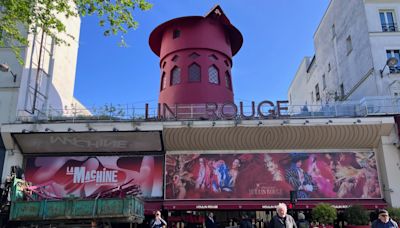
{"type": "Point", "coordinates": [4, 67]}
{"type": "Point", "coordinates": [392, 61]}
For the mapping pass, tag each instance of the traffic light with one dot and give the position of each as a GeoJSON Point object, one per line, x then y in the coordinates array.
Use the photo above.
{"type": "Point", "coordinates": [293, 197]}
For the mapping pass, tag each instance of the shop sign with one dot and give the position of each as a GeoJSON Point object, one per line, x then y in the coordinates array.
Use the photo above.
{"type": "Point", "coordinates": [206, 206]}
{"type": "Point", "coordinates": [83, 142]}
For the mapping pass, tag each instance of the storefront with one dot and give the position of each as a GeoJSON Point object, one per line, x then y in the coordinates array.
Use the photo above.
{"type": "Point", "coordinates": [187, 169]}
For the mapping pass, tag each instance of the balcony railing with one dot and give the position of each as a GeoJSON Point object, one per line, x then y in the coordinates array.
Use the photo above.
{"type": "Point", "coordinates": [390, 27]}
{"type": "Point", "coordinates": [368, 106]}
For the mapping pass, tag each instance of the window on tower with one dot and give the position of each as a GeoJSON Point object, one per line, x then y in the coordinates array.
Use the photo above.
{"type": "Point", "coordinates": [176, 76]}
{"type": "Point", "coordinates": [228, 81]}
{"type": "Point", "coordinates": [176, 34]}
{"type": "Point", "coordinates": [213, 76]}
{"type": "Point", "coordinates": [194, 73]}
{"type": "Point", "coordinates": [163, 81]}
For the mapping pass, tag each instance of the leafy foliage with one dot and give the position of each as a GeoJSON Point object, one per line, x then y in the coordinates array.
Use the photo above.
{"type": "Point", "coordinates": [356, 215]}
{"type": "Point", "coordinates": [324, 213]}
{"type": "Point", "coordinates": [18, 17]}
{"type": "Point", "coordinates": [394, 213]}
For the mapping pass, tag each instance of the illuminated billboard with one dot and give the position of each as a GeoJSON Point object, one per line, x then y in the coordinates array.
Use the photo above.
{"type": "Point", "coordinates": [334, 175]}
{"type": "Point", "coordinates": [85, 176]}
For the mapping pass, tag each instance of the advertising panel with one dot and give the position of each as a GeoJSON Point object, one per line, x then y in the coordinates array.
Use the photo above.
{"type": "Point", "coordinates": [85, 176]}
{"type": "Point", "coordinates": [335, 175]}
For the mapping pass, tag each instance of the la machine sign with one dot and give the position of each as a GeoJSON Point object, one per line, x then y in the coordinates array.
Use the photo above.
{"type": "Point", "coordinates": [264, 110]}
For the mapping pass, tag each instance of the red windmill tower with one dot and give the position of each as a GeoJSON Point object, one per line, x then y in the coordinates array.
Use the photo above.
{"type": "Point", "coordinates": [196, 58]}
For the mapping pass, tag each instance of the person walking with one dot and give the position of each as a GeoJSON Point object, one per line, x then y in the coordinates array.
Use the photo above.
{"type": "Point", "coordinates": [210, 223]}
{"type": "Point", "coordinates": [302, 222]}
{"type": "Point", "coordinates": [246, 222]}
{"type": "Point", "coordinates": [384, 221]}
{"type": "Point", "coordinates": [282, 219]}
{"type": "Point", "coordinates": [158, 222]}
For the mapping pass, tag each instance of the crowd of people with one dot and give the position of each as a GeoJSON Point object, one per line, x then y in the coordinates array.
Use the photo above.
{"type": "Point", "coordinates": [280, 220]}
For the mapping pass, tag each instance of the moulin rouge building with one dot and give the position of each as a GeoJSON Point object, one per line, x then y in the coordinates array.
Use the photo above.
{"type": "Point", "coordinates": [204, 153]}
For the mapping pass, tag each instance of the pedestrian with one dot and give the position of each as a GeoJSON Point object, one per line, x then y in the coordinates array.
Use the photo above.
{"type": "Point", "coordinates": [302, 222]}
{"type": "Point", "coordinates": [384, 221]}
{"type": "Point", "coordinates": [158, 222]}
{"type": "Point", "coordinates": [210, 222]}
{"type": "Point", "coordinates": [282, 219]}
{"type": "Point", "coordinates": [246, 222]}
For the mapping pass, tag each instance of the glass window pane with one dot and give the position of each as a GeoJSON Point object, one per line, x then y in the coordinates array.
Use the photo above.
{"type": "Point", "coordinates": [390, 18]}
{"type": "Point", "coordinates": [383, 19]}
{"type": "Point", "coordinates": [213, 75]}
{"type": "Point", "coordinates": [176, 76]}
{"type": "Point", "coordinates": [194, 73]}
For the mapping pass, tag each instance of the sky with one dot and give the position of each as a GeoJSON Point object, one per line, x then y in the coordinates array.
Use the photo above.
{"type": "Point", "coordinates": [277, 34]}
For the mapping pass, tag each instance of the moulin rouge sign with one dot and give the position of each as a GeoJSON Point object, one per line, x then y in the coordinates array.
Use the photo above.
{"type": "Point", "coordinates": [264, 110]}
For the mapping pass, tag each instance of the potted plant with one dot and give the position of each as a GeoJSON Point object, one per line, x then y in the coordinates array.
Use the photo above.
{"type": "Point", "coordinates": [356, 216]}
{"type": "Point", "coordinates": [324, 214]}
{"type": "Point", "coordinates": [394, 213]}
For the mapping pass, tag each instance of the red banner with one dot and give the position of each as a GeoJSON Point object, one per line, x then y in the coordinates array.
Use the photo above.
{"type": "Point", "coordinates": [89, 175]}
{"type": "Point", "coordinates": [336, 175]}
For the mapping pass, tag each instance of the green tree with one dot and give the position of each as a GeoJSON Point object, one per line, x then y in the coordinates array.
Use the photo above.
{"type": "Point", "coordinates": [17, 17]}
{"type": "Point", "coordinates": [324, 213]}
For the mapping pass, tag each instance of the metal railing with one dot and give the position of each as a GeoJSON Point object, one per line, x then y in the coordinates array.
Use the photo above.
{"type": "Point", "coordinates": [389, 27]}
{"type": "Point", "coordinates": [368, 106]}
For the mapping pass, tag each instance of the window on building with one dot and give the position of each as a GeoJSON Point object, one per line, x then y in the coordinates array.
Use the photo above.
{"type": "Point", "coordinates": [176, 76]}
{"type": "Point", "coordinates": [349, 45]}
{"type": "Point", "coordinates": [163, 81]}
{"type": "Point", "coordinates": [194, 55]}
{"type": "Point", "coordinates": [175, 58]}
{"type": "Point", "coordinates": [388, 22]}
{"type": "Point", "coordinates": [341, 92]}
{"type": "Point", "coordinates": [213, 57]}
{"type": "Point", "coordinates": [395, 54]}
{"type": "Point", "coordinates": [226, 63]}
{"type": "Point", "coordinates": [329, 67]}
{"type": "Point", "coordinates": [163, 65]}
{"type": "Point", "coordinates": [228, 81]}
{"type": "Point", "coordinates": [176, 33]}
{"type": "Point", "coordinates": [213, 76]}
{"type": "Point", "coordinates": [194, 73]}
{"type": "Point", "coordinates": [323, 82]}
{"type": "Point", "coordinates": [317, 96]}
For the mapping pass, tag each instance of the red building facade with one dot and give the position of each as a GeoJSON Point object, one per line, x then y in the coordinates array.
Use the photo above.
{"type": "Point", "coordinates": [196, 58]}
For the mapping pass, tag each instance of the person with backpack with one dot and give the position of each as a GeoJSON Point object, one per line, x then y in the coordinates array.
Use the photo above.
{"type": "Point", "coordinates": [302, 222]}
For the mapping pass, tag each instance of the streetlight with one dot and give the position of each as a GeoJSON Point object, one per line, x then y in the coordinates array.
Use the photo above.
{"type": "Point", "coordinates": [5, 68]}
{"type": "Point", "coordinates": [391, 62]}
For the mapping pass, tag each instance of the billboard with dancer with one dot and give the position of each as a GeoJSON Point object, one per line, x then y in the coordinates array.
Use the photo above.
{"type": "Point", "coordinates": [88, 176]}
{"type": "Point", "coordinates": [335, 175]}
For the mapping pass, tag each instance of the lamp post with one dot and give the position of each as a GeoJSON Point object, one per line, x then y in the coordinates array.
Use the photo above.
{"type": "Point", "coordinates": [391, 62]}
{"type": "Point", "coordinates": [5, 68]}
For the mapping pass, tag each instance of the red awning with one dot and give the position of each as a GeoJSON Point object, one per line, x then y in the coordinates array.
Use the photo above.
{"type": "Point", "coordinates": [265, 205]}
{"type": "Point", "coordinates": [150, 207]}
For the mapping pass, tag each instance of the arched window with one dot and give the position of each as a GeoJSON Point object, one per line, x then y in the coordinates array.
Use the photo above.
{"type": "Point", "coordinates": [194, 55]}
{"type": "Point", "coordinates": [194, 73]}
{"type": "Point", "coordinates": [175, 58]}
{"type": "Point", "coordinates": [228, 81]}
{"type": "Point", "coordinates": [163, 81]}
{"type": "Point", "coordinates": [213, 76]}
{"type": "Point", "coordinates": [175, 75]}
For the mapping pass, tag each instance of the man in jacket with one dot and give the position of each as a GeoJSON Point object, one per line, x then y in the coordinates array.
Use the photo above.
{"type": "Point", "coordinates": [282, 219]}
{"type": "Point", "coordinates": [384, 221]}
